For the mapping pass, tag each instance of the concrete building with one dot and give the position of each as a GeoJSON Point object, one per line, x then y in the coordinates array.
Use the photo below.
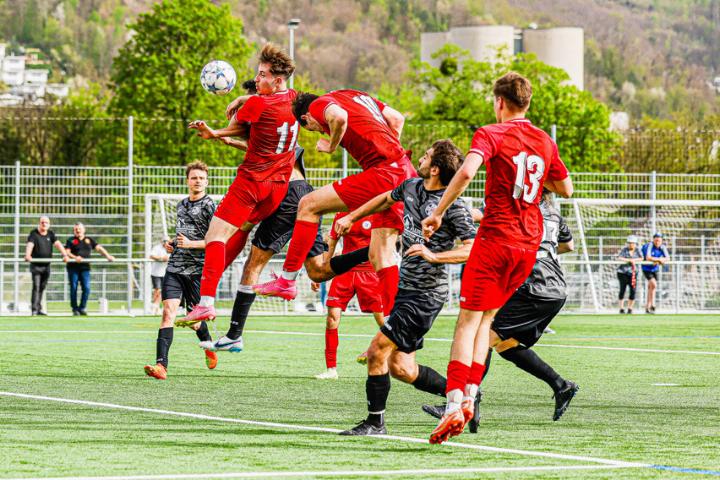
{"type": "Point", "coordinates": [559, 47]}
{"type": "Point", "coordinates": [13, 67]}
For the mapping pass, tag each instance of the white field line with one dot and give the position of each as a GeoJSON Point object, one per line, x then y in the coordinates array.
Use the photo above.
{"type": "Point", "coordinates": [527, 453]}
{"type": "Point", "coordinates": [362, 335]}
{"type": "Point", "coordinates": [337, 473]}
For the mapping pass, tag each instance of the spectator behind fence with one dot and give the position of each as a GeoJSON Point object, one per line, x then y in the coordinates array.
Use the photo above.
{"type": "Point", "coordinates": [160, 257]}
{"type": "Point", "coordinates": [40, 243]}
{"type": "Point", "coordinates": [79, 247]}
{"type": "Point", "coordinates": [627, 273]}
{"type": "Point", "coordinates": [654, 252]}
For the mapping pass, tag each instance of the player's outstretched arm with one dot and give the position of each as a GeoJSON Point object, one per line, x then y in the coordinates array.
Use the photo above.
{"type": "Point", "coordinates": [235, 105]}
{"type": "Point", "coordinates": [565, 247]}
{"type": "Point", "coordinates": [378, 204]}
{"type": "Point", "coordinates": [563, 187]}
{"type": "Point", "coordinates": [232, 142]}
{"type": "Point", "coordinates": [456, 255]}
{"type": "Point", "coordinates": [457, 186]}
{"type": "Point", "coordinates": [394, 119]}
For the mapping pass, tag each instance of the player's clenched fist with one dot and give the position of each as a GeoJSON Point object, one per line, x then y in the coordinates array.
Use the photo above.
{"type": "Point", "coordinates": [430, 225]}
{"type": "Point", "coordinates": [203, 130]}
{"type": "Point", "coordinates": [323, 145]}
{"type": "Point", "coordinates": [343, 225]}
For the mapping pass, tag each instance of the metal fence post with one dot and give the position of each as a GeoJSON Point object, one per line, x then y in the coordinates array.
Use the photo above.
{"type": "Point", "coordinates": [601, 289]}
{"type": "Point", "coordinates": [130, 216]}
{"type": "Point", "coordinates": [2, 284]}
{"type": "Point", "coordinates": [653, 197]}
{"type": "Point", "coordinates": [344, 163]}
{"type": "Point", "coordinates": [553, 132]}
{"type": "Point", "coordinates": [16, 243]}
{"type": "Point", "coordinates": [703, 282]}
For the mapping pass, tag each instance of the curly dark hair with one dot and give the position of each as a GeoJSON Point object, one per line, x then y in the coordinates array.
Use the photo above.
{"type": "Point", "coordinates": [447, 157]}
{"type": "Point", "coordinates": [280, 62]}
{"type": "Point", "coordinates": [301, 105]}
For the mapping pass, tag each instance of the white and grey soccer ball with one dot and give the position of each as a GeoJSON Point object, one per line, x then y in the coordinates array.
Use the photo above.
{"type": "Point", "coordinates": [218, 77]}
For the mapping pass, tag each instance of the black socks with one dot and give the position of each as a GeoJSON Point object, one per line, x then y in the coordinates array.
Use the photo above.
{"type": "Point", "coordinates": [377, 389]}
{"type": "Point", "coordinates": [164, 340]}
{"type": "Point", "coordinates": [203, 333]}
{"type": "Point", "coordinates": [340, 264]}
{"type": "Point", "coordinates": [430, 381]}
{"type": "Point", "coordinates": [241, 308]}
{"type": "Point", "coordinates": [527, 360]}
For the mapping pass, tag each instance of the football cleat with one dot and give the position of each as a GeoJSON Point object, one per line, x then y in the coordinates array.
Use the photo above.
{"type": "Point", "coordinates": [451, 424]}
{"type": "Point", "coordinates": [329, 374]}
{"type": "Point", "coordinates": [198, 314]}
{"type": "Point", "coordinates": [467, 407]}
{"type": "Point", "coordinates": [210, 359]}
{"type": "Point", "coordinates": [207, 345]}
{"type": "Point", "coordinates": [156, 371]}
{"type": "Point", "coordinates": [366, 428]}
{"type": "Point", "coordinates": [362, 358]}
{"type": "Point", "coordinates": [562, 399]}
{"type": "Point", "coordinates": [226, 344]}
{"type": "Point", "coordinates": [475, 420]}
{"type": "Point", "coordinates": [277, 287]}
{"type": "Point", "coordinates": [436, 411]}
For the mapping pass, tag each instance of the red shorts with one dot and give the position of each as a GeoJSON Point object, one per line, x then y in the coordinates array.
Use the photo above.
{"type": "Point", "coordinates": [250, 201]}
{"type": "Point", "coordinates": [357, 189]}
{"type": "Point", "coordinates": [365, 285]}
{"type": "Point", "coordinates": [492, 274]}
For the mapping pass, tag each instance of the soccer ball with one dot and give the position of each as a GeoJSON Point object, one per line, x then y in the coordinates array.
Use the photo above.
{"type": "Point", "coordinates": [218, 77]}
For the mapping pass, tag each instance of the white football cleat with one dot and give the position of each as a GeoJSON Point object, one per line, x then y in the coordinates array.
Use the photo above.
{"type": "Point", "coordinates": [226, 344]}
{"type": "Point", "coordinates": [329, 374]}
{"type": "Point", "coordinates": [207, 345]}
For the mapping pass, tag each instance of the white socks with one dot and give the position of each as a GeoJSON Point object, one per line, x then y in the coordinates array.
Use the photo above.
{"type": "Point", "coordinates": [290, 275]}
{"type": "Point", "coordinates": [207, 301]}
{"type": "Point", "coordinates": [454, 399]}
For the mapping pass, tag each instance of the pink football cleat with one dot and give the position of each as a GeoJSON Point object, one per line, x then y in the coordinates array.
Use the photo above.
{"type": "Point", "coordinates": [277, 287]}
{"type": "Point", "coordinates": [198, 314]}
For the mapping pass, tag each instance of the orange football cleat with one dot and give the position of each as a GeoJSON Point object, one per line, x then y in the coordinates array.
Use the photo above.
{"type": "Point", "coordinates": [156, 371]}
{"type": "Point", "coordinates": [210, 359]}
{"type": "Point", "coordinates": [451, 424]}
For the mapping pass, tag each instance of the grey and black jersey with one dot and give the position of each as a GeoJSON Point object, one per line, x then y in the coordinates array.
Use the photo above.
{"type": "Point", "coordinates": [193, 221]}
{"type": "Point", "coordinates": [415, 272]}
{"type": "Point", "coordinates": [547, 279]}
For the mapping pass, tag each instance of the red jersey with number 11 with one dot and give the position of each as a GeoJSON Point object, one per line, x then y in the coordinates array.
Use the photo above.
{"type": "Point", "coordinates": [273, 135]}
{"type": "Point", "coordinates": [368, 138]}
{"type": "Point", "coordinates": [518, 158]}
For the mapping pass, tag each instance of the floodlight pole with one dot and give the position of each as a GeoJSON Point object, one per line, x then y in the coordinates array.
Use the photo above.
{"type": "Point", "coordinates": [292, 24]}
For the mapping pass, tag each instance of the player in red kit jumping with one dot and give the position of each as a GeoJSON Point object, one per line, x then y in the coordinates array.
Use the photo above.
{"type": "Point", "coordinates": [370, 131]}
{"type": "Point", "coordinates": [519, 159]}
{"type": "Point", "coordinates": [262, 179]}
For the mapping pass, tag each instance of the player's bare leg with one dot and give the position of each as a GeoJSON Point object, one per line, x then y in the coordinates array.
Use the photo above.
{"type": "Point", "coordinates": [332, 322]}
{"type": "Point", "coordinates": [382, 258]}
{"type": "Point", "coordinates": [380, 320]}
{"type": "Point", "coordinates": [310, 208]}
{"type": "Point", "coordinates": [650, 304]}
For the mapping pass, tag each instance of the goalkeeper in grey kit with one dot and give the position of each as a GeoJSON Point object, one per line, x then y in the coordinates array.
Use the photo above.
{"type": "Point", "coordinates": [181, 284]}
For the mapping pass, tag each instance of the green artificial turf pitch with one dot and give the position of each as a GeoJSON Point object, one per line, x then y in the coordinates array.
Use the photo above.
{"type": "Point", "coordinates": [649, 396]}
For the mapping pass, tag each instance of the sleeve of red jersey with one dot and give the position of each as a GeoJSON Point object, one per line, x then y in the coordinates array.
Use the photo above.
{"type": "Point", "coordinates": [333, 233]}
{"type": "Point", "coordinates": [381, 105]}
{"type": "Point", "coordinates": [558, 170]}
{"type": "Point", "coordinates": [318, 107]}
{"type": "Point", "coordinates": [250, 111]}
{"type": "Point", "coordinates": [483, 144]}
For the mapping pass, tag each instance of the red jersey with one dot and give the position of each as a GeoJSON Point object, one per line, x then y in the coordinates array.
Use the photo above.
{"type": "Point", "coordinates": [518, 158]}
{"type": "Point", "coordinates": [273, 135]}
{"type": "Point", "coordinates": [368, 138]}
{"type": "Point", "coordinates": [358, 237]}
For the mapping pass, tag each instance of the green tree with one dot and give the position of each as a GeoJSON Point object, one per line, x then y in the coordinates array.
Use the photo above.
{"type": "Point", "coordinates": [458, 94]}
{"type": "Point", "coordinates": [156, 74]}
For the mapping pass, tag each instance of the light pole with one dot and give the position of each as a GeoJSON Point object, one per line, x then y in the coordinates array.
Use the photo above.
{"type": "Point", "coordinates": [292, 24]}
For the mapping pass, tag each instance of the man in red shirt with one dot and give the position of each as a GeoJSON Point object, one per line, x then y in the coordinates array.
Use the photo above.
{"type": "Point", "coordinates": [519, 159]}
{"type": "Point", "coordinates": [262, 179]}
{"type": "Point", "coordinates": [370, 131]}
{"type": "Point", "coordinates": [361, 280]}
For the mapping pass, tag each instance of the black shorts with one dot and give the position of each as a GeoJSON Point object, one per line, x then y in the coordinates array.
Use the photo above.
{"type": "Point", "coordinates": [156, 282]}
{"type": "Point", "coordinates": [650, 275]}
{"type": "Point", "coordinates": [524, 318]}
{"type": "Point", "coordinates": [275, 231]}
{"type": "Point", "coordinates": [186, 288]}
{"type": "Point", "coordinates": [411, 318]}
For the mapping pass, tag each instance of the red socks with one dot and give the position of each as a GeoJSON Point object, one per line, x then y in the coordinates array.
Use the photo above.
{"type": "Point", "coordinates": [389, 279]}
{"type": "Point", "coordinates": [457, 376]}
{"type": "Point", "coordinates": [476, 374]}
{"type": "Point", "coordinates": [234, 246]}
{"type": "Point", "coordinates": [331, 346]}
{"type": "Point", "coordinates": [302, 241]}
{"type": "Point", "coordinates": [213, 268]}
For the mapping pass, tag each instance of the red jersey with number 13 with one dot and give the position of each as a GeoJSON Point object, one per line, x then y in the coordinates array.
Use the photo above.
{"type": "Point", "coordinates": [518, 157]}
{"type": "Point", "coordinates": [368, 138]}
{"type": "Point", "coordinates": [273, 135]}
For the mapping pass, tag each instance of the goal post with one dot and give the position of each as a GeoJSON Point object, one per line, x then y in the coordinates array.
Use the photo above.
{"type": "Point", "coordinates": [690, 281]}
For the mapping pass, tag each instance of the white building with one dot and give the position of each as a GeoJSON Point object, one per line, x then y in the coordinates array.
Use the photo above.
{"type": "Point", "coordinates": [26, 83]}
{"type": "Point", "coordinates": [13, 68]}
{"type": "Point", "coordinates": [559, 47]}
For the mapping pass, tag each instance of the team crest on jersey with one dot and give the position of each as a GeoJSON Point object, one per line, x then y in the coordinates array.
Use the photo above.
{"type": "Point", "coordinates": [366, 224]}
{"type": "Point", "coordinates": [408, 222]}
{"type": "Point", "coordinates": [195, 211]}
{"type": "Point", "coordinates": [429, 208]}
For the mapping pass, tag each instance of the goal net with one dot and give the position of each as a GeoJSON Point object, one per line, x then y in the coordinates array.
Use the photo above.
{"type": "Point", "coordinates": [690, 281]}
{"type": "Point", "coordinates": [160, 220]}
